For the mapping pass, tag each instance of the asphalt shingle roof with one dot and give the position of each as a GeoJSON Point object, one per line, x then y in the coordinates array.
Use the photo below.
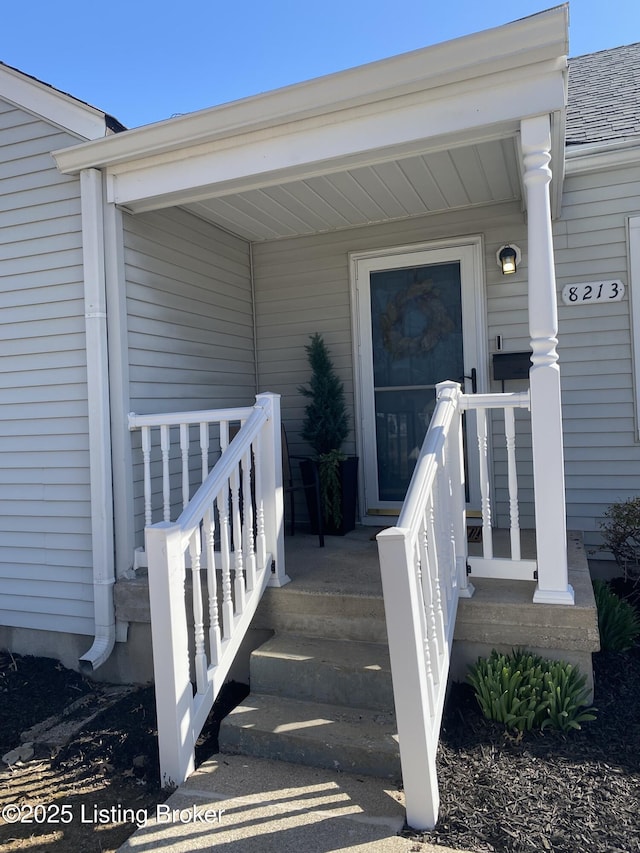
{"type": "Point", "coordinates": [604, 96]}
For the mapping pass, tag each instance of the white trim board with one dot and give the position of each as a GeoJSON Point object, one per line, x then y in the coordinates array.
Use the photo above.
{"type": "Point", "coordinates": [53, 106]}
{"type": "Point", "coordinates": [469, 250]}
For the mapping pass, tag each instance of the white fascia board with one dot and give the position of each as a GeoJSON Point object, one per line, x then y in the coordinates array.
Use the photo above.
{"type": "Point", "coordinates": [53, 106]}
{"type": "Point", "coordinates": [353, 138]}
{"type": "Point", "coordinates": [596, 157]}
{"type": "Point", "coordinates": [540, 38]}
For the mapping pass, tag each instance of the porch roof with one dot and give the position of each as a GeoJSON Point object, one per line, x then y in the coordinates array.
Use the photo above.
{"type": "Point", "coordinates": [427, 131]}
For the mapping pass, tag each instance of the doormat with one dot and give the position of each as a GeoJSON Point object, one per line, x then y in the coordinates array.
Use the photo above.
{"type": "Point", "coordinates": [474, 533]}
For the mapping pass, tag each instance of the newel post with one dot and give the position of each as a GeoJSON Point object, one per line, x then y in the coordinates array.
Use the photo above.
{"type": "Point", "coordinates": [170, 642]}
{"type": "Point", "coordinates": [414, 713]}
{"type": "Point", "coordinates": [271, 463]}
{"type": "Point", "coordinates": [546, 414]}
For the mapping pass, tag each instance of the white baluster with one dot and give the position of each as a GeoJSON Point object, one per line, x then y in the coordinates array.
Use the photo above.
{"type": "Point", "coordinates": [200, 658]}
{"type": "Point", "coordinates": [487, 532]}
{"type": "Point", "coordinates": [431, 643]}
{"type": "Point", "coordinates": [441, 500]}
{"type": "Point", "coordinates": [434, 571]}
{"type": "Point", "coordinates": [238, 554]}
{"type": "Point", "coordinates": [225, 558]}
{"type": "Point", "coordinates": [165, 443]}
{"type": "Point", "coordinates": [184, 452]}
{"type": "Point", "coordinates": [514, 514]}
{"type": "Point", "coordinates": [204, 449]}
{"type": "Point", "coordinates": [146, 458]}
{"type": "Point", "coordinates": [261, 541]}
{"type": "Point", "coordinates": [247, 509]}
{"type": "Point", "coordinates": [224, 435]}
{"type": "Point", "coordinates": [209, 525]}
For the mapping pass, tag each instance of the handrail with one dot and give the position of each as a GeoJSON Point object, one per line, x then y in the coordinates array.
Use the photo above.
{"type": "Point", "coordinates": [426, 466]}
{"type": "Point", "coordinates": [424, 564]}
{"type": "Point", "coordinates": [423, 569]}
{"type": "Point", "coordinates": [228, 540]}
{"type": "Point", "coordinates": [170, 469]}
{"type": "Point", "coordinates": [136, 421]}
{"type": "Point", "coordinates": [240, 445]}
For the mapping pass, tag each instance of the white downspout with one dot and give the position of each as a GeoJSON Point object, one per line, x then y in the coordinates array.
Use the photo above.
{"type": "Point", "coordinates": [99, 420]}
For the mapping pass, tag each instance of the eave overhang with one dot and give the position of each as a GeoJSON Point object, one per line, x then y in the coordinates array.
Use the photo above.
{"type": "Point", "coordinates": [458, 94]}
{"type": "Point", "coordinates": [598, 156]}
{"type": "Point", "coordinates": [54, 106]}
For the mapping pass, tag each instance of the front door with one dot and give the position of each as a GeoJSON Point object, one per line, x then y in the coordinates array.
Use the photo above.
{"type": "Point", "coordinates": [418, 312]}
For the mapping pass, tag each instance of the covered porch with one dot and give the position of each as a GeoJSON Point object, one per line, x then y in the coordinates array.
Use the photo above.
{"type": "Point", "coordinates": [429, 160]}
{"type": "Point", "coordinates": [440, 155]}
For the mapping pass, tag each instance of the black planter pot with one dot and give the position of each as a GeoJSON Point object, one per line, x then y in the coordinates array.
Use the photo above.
{"type": "Point", "coordinates": [349, 497]}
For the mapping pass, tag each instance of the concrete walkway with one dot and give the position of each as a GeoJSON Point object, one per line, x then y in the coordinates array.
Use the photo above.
{"type": "Point", "coordinates": [235, 804]}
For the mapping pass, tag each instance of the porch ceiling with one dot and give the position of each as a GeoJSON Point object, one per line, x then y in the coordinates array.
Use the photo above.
{"type": "Point", "coordinates": [453, 178]}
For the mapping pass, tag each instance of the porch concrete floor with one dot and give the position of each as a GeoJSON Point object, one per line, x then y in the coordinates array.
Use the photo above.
{"type": "Point", "coordinates": [501, 614]}
{"type": "Point", "coordinates": [349, 564]}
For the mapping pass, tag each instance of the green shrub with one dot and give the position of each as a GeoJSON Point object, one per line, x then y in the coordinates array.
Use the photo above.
{"type": "Point", "coordinates": [617, 620]}
{"type": "Point", "coordinates": [325, 425]}
{"type": "Point", "coordinates": [621, 534]}
{"type": "Point", "coordinates": [566, 695]}
{"type": "Point", "coordinates": [524, 691]}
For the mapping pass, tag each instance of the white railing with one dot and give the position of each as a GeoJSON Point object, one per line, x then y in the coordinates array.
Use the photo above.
{"type": "Point", "coordinates": [178, 451]}
{"type": "Point", "coordinates": [229, 539]}
{"type": "Point", "coordinates": [424, 566]}
{"type": "Point", "coordinates": [489, 565]}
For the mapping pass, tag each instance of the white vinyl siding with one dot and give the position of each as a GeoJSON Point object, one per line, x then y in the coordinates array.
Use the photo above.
{"type": "Point", "coordinates": [189, 314]}
{"type": "Point", "coordinates": [45, 525]}
{"type": "Point", "coordinates": [602, 453]}
{"type": "Point", "coordinates": [302, 286]}
{"type": "Point", "coordinates": [190, 324]}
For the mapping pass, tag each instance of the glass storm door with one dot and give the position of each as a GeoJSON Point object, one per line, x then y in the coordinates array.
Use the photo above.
{"type": "Point", "coordinates": [417, 328]}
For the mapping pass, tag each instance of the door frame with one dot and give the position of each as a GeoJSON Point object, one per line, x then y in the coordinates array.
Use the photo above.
{"type": "Point", "coordinates": [469, 251]}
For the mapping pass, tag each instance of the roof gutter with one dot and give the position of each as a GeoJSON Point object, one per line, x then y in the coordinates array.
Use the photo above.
{"type": "Point", "coordinates": [596, 156]}
{"type": "Point", "coordinates": [538, 39]}
{"type": "Point", "coordinates": [102, 527]}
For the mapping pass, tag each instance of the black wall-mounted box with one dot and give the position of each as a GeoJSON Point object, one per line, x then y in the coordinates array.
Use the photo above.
{"type": "Point", "coordinates": [511, 365]}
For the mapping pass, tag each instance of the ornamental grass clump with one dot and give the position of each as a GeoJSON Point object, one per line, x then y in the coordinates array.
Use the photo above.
{"type": "Point", "coordinates": [617, 620]}
{"type": "Point", "coordinates": [524, 691]}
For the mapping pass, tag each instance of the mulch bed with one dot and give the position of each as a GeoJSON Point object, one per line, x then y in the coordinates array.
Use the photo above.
{"type": "Point", "coordinates": [110, 764]}
{"type": "Point", "coordinates": [549, 791]}
{"type": "Point", "coordinates": [545, 792]}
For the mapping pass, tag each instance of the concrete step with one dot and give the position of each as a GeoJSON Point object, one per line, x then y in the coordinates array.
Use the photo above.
{"type": "Point", "coordinates": [353, 740]}
{"type": "Point", "coordinates": [322, 613]}
{"type": "Point", "coordinates": [335, 672]}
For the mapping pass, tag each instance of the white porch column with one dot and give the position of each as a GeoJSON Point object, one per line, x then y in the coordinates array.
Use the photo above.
{"type": "Point", "coordinates": [546, 415]}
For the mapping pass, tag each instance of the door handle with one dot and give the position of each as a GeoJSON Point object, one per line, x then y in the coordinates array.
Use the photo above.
{"type": "Point", "coordinates": [474, 380]}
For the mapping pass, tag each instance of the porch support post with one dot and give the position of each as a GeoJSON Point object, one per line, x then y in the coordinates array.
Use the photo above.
{"type": "Point", "coordinates": [546, 415]}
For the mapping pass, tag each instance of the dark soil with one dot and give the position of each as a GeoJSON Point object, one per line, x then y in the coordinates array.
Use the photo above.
{"type": "Point", "coordinates": [110, 765]}
{"type": "Point", "coordinates": [549, 791]}
{"type": "Point", "coordinates": [498, 794]}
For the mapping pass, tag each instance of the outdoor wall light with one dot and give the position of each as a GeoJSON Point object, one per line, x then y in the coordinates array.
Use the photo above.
{"type": "Point", "coordinates": [508, 258]}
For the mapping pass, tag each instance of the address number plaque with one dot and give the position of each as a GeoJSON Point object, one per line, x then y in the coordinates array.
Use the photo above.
{"type": "Point", "coordinates": [593, 291]}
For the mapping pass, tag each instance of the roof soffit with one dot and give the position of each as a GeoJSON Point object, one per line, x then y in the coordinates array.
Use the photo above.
{"type": "Point", "coordinates": [365, 136]}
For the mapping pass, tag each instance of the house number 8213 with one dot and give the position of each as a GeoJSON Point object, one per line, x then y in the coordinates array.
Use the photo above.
{"type": "Point", "coordinates": [593, 291]}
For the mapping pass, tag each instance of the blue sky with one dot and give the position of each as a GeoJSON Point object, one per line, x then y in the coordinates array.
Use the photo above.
{"type": "Point", "coordinates": [144, 61]}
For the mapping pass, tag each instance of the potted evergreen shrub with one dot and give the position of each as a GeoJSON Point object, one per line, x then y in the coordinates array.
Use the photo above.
{"type": "Point", "coordinates": [324, 428]}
